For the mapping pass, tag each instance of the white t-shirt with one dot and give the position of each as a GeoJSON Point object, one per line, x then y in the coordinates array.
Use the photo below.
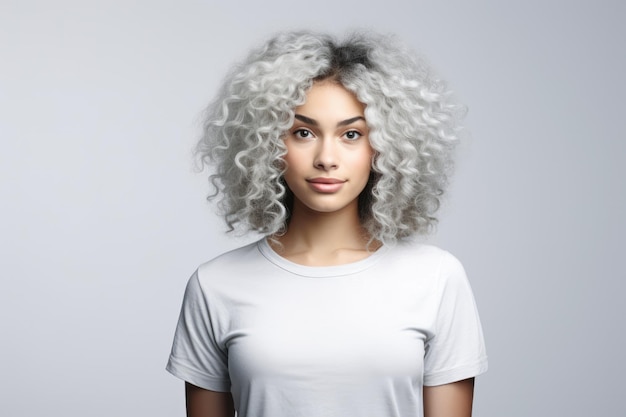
{"type": "Point", "coordinates": [359, 339]}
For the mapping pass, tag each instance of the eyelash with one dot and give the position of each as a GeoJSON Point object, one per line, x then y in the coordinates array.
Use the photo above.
{"type": "Point", "coordinates": [358, 134]}
{"type": "Point", "coordinates": [298, 134]}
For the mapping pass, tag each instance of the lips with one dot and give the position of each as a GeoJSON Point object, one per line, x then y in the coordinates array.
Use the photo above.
{"type": "Point", "coordinates": [323, 180]}
{"type": "Point", "coordinates": [326, 185]}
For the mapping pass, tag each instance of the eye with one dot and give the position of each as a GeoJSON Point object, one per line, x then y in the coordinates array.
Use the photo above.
{"type": "Point", "coordinates": [303, 134]}
{"type": "Point", "coordinates": [352, 135]}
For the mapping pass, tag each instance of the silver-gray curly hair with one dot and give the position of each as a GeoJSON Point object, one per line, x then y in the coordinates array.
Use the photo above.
{"type": "Point", "coordinates": [413, 125]}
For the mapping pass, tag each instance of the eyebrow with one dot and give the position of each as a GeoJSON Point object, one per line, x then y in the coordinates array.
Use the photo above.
{"type": "Point", "coordinates": [313, 122]}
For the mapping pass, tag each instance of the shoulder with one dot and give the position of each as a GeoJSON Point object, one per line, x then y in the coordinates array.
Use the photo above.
{"type": "Point", "coordinates": [247, 251]}
{"type": "Point", "coordinates": [427, 263]}
{"type": "Point", "coordinates": [417, 253]}
{"type": "Point", "coordinates": [231, 263]}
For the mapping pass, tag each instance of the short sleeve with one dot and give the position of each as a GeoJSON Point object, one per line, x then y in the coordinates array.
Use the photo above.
{"type": "Point", "coordinates": [196, 356]}
{"type": "Point", "coordinates": [456, 350]}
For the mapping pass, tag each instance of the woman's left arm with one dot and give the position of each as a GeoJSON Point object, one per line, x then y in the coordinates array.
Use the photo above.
{"type": "Point", "coordinates": [449, 400]}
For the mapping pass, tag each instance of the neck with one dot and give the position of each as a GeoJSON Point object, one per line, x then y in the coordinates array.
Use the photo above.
{"type": "Point", "coordinates": [315, 238]}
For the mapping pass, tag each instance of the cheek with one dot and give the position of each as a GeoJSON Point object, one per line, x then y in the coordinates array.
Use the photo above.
{"type": "Point", "coordinates": [364, 161]}
{"type": "Point", "coordinates": [294, 168]}
{"type": "Point", "coordinates": [292, 162]}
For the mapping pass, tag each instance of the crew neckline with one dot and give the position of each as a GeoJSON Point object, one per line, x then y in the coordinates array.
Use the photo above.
{"type": "Point", "coordinates": [320, 271]}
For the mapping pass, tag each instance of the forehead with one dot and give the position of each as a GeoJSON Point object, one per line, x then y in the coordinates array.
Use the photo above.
{"type": "Point", "coordinates": [330, 100]}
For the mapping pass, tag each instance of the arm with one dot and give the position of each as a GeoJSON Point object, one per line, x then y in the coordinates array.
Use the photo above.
{"type": "Point", "coordinates": [205, 403]}
{"type": "Point", "coordinates": [449, 400]}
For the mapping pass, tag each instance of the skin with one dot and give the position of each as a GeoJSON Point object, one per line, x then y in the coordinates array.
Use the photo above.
{"type": "Point", "coordinates": [205, 403]}
{"type": "Point", "coordinates": [449, 400]}
{"type": "Point", "coordinates": [330, 140]}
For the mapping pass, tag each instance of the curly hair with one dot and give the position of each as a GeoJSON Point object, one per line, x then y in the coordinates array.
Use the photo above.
{"type": "Point", "coordinates": [413, 125]}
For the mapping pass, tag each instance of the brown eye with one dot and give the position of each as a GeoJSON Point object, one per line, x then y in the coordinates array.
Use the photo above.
{"type": "Point", "coordinates": [352, 135]}
{"type": "Point", "coordinates": [302, 134]}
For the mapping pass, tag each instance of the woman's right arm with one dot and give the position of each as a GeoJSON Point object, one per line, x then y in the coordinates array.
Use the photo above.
{"type": "Point", "coordinates": [205, 403]}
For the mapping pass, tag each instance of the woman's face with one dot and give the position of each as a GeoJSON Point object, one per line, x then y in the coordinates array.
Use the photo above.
{"type": "Point", "coordinates": [328, 156]}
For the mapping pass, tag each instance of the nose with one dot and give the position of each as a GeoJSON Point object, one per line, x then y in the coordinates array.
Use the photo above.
{"type": "Point", "coordinates": [326, 155]}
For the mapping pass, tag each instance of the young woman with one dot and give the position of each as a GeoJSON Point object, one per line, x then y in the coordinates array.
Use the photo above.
{"type": "Point", "coordinates": [338, 153]}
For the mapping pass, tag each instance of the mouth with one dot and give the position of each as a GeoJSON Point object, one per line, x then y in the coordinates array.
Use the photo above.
{"type": "Point", "coordinates": [326, 185]}
{"type": "Point", "coordinates": [324, 180]}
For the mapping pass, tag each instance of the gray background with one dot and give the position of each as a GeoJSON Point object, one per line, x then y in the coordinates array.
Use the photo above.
{"type": "Point", "coordinates": [102, 219]}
